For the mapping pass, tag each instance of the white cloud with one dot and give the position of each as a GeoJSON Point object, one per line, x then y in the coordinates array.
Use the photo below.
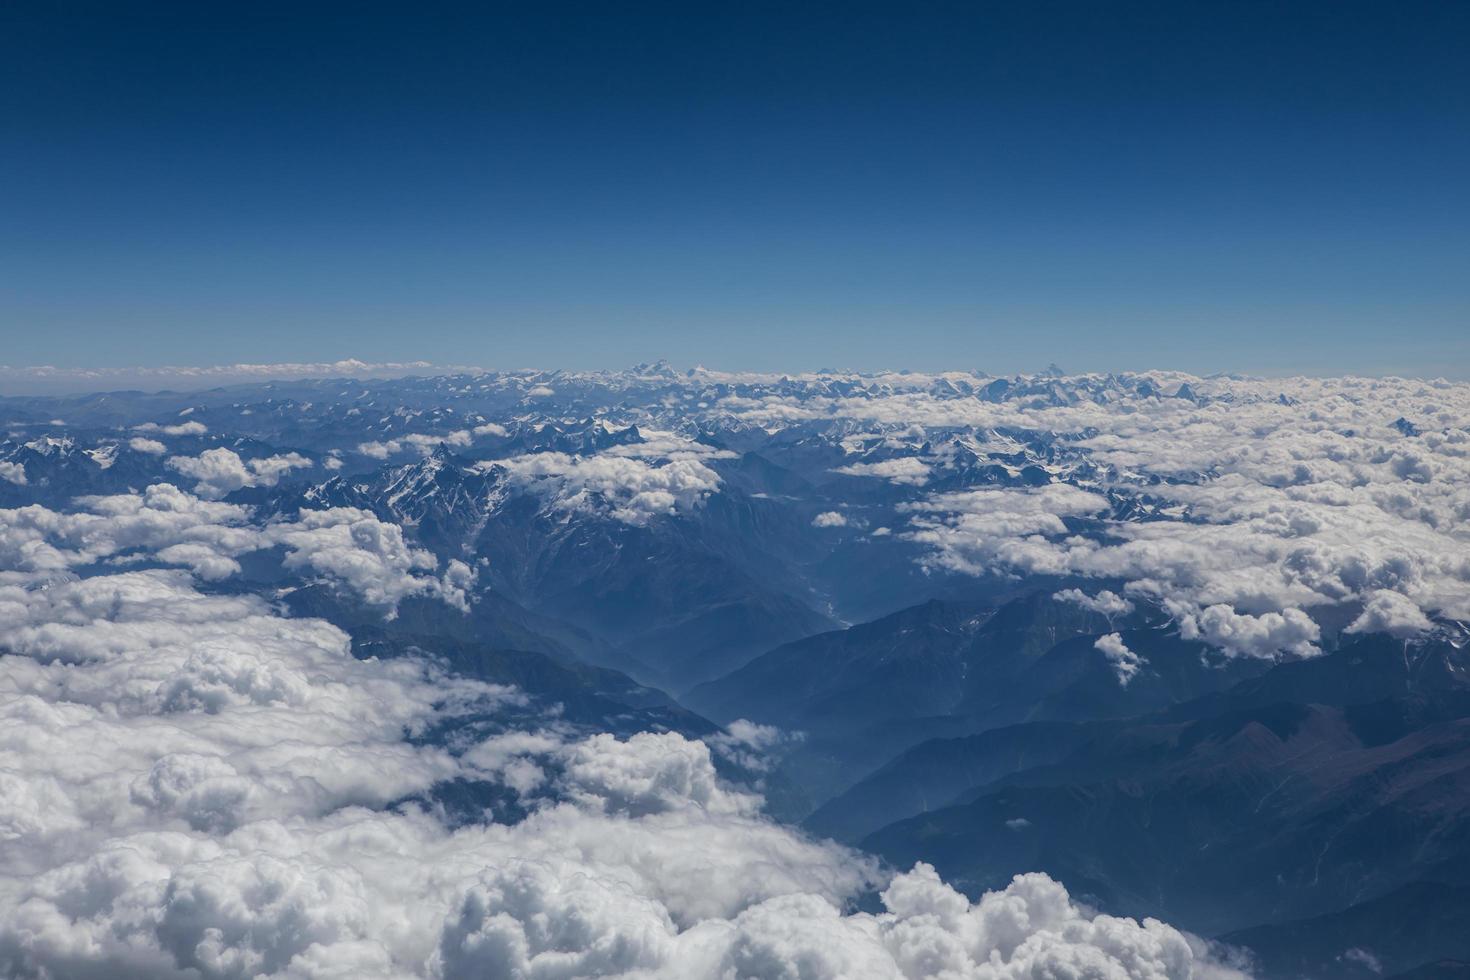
{"type": "Point", "coordinates": [353, 547]}
{"type": "Point", "coordinates": [222, 471]}
{"type": "Point", "coordinates": [829, 518]}
{"type": "Point", "coordinates": [163, 522]}
{"type": "Point", "coordinates": [421, 443]}
{"type": "Point", "coordinates": [656, 443]}
{"type": "Point", "coordinates": [981, 531]}
{"type": "Point", "coordinates": [347, 547]}
{"type": "Point", "coordinates": [1269, 498]}
{"type": "Point", "coordinates": [1125, 662]}
{"type": "Point", "coordinates": [1106, 602]}
{"type": "Point", "coordinates": [53, 379]}
{"type": "Point", "coordinates": [181, 429]}
{"type": "Point", "coordinates": [904, 470]}
{"type": "Point", "coordinates": [1241, 634]}
{"type": "Point", "coordinates": [198, 787]}
{"type": "Point", "coordinates": [1390, 612]}
{"type": "Point", "coordinates": [754, 746]}
{"type": "Point", "coordinates": [632, 490]}
{"type": "Point", "coordinates": [152, 447]}
{"type": "Point", "coordinates": [13, 473]}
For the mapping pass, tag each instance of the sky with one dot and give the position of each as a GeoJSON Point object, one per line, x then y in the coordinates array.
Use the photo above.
{"type": "Point", "coordinates": [1274, 188]}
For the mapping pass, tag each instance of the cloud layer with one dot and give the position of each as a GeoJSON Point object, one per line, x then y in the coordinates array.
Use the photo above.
{"type": "Point", "coordinates": [195, 786]}
{"type": "Point", "coordinates": [1241, 506]}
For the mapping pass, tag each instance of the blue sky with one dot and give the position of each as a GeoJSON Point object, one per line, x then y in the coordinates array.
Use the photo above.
{"type": "Point", "coordinates": [1265, 187]}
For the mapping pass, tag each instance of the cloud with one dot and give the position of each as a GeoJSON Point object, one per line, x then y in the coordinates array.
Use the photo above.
{"type": "Point", "coordinates": [631, 490]}
{"type": "Point", "coordinates": [829, 518]}
{"type": "Point", "coordinates": [152, 447]}
{"type": "Point", "coordinates": [659, 444]}
{"type": "Point", "coordinates": [753, 746]}
{"type": "Point", "coordinates": [1269, 498]}
{"type": "Point", "coordinates": [198, 787]}
{"type": "Point", "coordinates": [162, 523]}
{"type": "Point", "coordinates": [421, 443]}
{"type": "Point", "coordinates": [1106, 603]}
{"type": "Point", "coordinates": [44, 378]}
{"type": "Point", "coordinates": [13, 473]}
{"type": "Point", "coordinates": [1363, 958]}
{"type": "Point", "coordinates": [344, 546]}
{"type": "Point", "coordinates": [369, 556]}
{"type": "Point", "coordinates": [904, 470]}
{"type": "Point", "coordinates": [222, 471]}
{"type": "Point", "coordinates": [982, 531]}
{"type": "Point", "coordinates": [1125, 662]}
{"type": "Point", "coordinates": [1241, 634]}
{"type": "Point", "coordinates": [1390, 612]}
{"type": "Point", "coordinates": [181, 429]}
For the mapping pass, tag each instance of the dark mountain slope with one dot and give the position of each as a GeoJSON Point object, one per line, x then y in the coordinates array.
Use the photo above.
{"type": "Point", "coordinates": [1276, 812]}
{"type": "Point", "coordinates": [907, 664]}
{"type": "Point", "coordinates": [931, 775]}
{"type": "Point", "coordinates": [1422, 928]}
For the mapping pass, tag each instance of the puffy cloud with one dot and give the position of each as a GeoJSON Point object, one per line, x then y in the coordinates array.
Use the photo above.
{"type": "Point", "coordinates": [659, 444]}
{"type": "Point", "coordinates": [13, 472]}
{"type": "Point", "coordinates": [190, 428]}
{"type": "Point", "coordinates": [221, 471]}
{"type": "Point", "coordinates": [829, 518]}
{"type": "Point", "coordinates": [422, 443]}
{"type": "Point", "coordinates": [370, 557]}
{"type": "Point", "coordinates": [1241, 634]}
{"type": "Point", "coordinates": [345, 546]}
{"type": "Point", "coordinates": [152, 447]}
{"type": "Point", "coordinates": [995, 530]}
{"type": "Point", "coordinates": [1125, 662]}
{"type": "Point", "coordinates": [647, 774]}
{"type": "Point", "coordinates": [1106, 603]}
{"type": "Point", "coordinates": [197, 787]}
{"type": "Point", "coordinates": [1271, 498]}
{"type": "Point", "coordinates": [632, 490]}
{"type": "Point", "coordinates": [1390, 612]}
{"type": "Point", "coordinates": [904, 470]}
{"type": "Point", "coordinates": [163, 523]}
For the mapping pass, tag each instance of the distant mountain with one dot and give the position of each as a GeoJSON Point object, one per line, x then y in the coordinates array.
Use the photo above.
{"type": "Point", "coordinates": [504, 652]}
{"type": "Point", "coordinates": [950, 668]}
{"type": "Point", "coordinates": [933, 774]}
{"type": "Point", "coordinates": [909, 664]}
{"type": "Point", "coordinates": [1438, 969]}
{"type": "Point", "coordinates": [676, 598]}
{"type": "Point", "coordinates": [1416, 932]}
{"type": "Point", "coordinates": [1266, 813]}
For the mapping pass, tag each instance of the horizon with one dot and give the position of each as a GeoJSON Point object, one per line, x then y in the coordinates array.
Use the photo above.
{"type": "Point", "coordinates": [42, 381]}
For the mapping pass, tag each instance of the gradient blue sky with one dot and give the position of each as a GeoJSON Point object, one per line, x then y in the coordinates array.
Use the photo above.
{"type": "Point", "coordinates": [1265, 187]}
